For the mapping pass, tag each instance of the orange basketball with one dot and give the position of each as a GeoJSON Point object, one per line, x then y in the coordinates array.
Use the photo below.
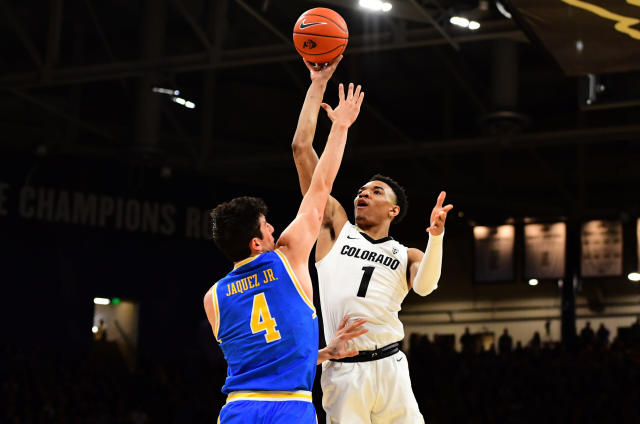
{"type": "Point", "coordinates": [320, 35]}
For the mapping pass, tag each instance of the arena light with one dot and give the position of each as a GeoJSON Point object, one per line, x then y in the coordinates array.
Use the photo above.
{"type": "Point", "coordinates": [473, 25]}
{"type": "Point", "coordinates": [533, 282]}
{"type": "Point", "coordinates": [464, 22]}
{"type": "Point", "coordinates": [634, 276]}
{"type": "Point", "coordinates": [167, 91]}
{"type": "Point", "coordinates": [94, 329]}
{"type": "Point", "coordinates": [183, 102]}
{"type": "Point", "coordinates": [503, 11]}
{"type": "Point", "coordinates": [376, 5]}
{"type": "Point", "coordinates": [101, 301]}
{"type": "Point", "coordinates": [459, 21]}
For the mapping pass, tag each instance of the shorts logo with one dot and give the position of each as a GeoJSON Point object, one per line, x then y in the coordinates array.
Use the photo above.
{"type": "Point", "coordinates": [309, 44]}
{"type": "Point", "coordinates": [394, 251]}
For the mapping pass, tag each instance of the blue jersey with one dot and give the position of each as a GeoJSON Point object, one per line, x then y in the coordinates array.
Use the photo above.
{"type": "Point", "coordinates": [267, 327]}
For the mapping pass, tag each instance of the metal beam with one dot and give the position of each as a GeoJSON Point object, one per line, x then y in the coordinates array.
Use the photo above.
{"type": "Point", "coordinates": [55, 28]}
{"type": "Point", "coordinates": [421, 10]}
{"type": "Point", "coordinates": [233, 58]}
{"type": "Point", "coordinates": [22, 34]}
{"type": "Point", "coordinates": [400, 10]}
{"type": "Point", "coordinates": [54, 110]}
{"type": "Point", "coordinates": [392, 150]}
{"type": "Point", "coordinates": [194, 26]}
{"type": "Point", "coordinates": [265, 22]}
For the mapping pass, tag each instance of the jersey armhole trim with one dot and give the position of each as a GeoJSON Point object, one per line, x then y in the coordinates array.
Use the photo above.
{"type": "Point", "coordinates": [216, 310]}
{"type": "Point", "coordinates": [334, 243]}
{"type": "Point", "coordinates": [296, 283]}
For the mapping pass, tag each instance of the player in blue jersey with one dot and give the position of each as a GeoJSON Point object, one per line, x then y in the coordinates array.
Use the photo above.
{"type": "Point", "coordinates": [261, 312]}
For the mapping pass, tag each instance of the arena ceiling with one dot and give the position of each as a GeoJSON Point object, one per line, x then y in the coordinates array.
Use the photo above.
{"type": "Point", "coordinates": [491, 115]}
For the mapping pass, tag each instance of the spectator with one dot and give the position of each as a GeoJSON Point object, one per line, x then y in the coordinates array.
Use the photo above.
{"type": "Point", "coordinates": [603, 335]}
{"type": "Point", "coordinates": [505, 343]}
{"type": "Point", "coordinates": [535, 341]}
{"type": "Point", "coordinates": [467, 341]}
{"type": "Point", "coordinates": [587, 335]}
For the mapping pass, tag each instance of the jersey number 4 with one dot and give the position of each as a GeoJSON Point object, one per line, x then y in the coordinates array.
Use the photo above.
{"type": "Point", "coordinates": [366, 277]}
{"type": "Point", "coordinates": [261, 319]}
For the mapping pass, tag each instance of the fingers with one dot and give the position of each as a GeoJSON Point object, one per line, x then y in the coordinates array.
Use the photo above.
{"type": "Point", "coordinates": [440, 200]}
{"type": "Point", "coordinates": [347, 354]}
{"type": "Point", "coordinates": [341, 92]}
{"type": "Point", "coordinates": [344, 320]}
{"type": "Point", "coordinates": [350, 92]}
{"type": "Point", "coordinates": [356, 94]}
{"type": "Point", "coordinates": [447, 208]}
{"type": "Point", "coordinates": [360, 99]}
{"type": "Point", "coordinates": [327, 108]}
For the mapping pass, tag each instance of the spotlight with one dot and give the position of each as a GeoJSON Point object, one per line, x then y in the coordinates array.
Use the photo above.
{"type": "Point", "coordinates": [94, 329]}
{"type": "Point", "coordinates": [473, 25]}
{"type": "Point", "coordinates": [183, 102]}
{"type": "Point", "coordinates": [376, 5]}
{"type": "Point", "coordinates": [460, 21]}
{"type": "Point", "coordinates": [533, 282]}
{"type": "Point", "coordinates": [101, 301]}
{"type": "Point", "coordinates": [634, 276]}
{"type": "Point", "coordinates": [502, 10]}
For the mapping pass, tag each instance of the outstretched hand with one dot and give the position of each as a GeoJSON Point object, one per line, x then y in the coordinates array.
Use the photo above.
{"type": "Point", "coordinates": [438, 216]}
{"type": "Point", "coordinates": [322, 72]}
{"type": "Point", "coordinates": [348, 108]}
{"type": "Point", "coordinates": [338, 347]}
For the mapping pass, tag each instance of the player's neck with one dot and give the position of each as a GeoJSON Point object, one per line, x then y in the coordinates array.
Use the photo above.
{"type": "Point", "coordinates": [376, 232]}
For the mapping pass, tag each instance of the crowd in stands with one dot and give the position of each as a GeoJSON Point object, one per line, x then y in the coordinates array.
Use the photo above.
{"type": "Point", "coordinates": [540, 382]}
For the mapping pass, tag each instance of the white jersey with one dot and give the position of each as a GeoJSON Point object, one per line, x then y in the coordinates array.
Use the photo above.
{"type": "Point", "coordinates": [364, 278]}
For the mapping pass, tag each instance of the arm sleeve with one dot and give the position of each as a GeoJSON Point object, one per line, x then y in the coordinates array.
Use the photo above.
{"type": "Point", "coordinates": [426, 279]}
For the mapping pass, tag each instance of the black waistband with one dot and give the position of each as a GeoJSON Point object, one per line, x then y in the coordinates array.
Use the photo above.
{"type": "Point", "coordinates": [372, 355]}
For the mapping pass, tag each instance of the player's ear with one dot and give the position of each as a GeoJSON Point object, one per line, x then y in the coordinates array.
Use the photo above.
{"type": "Point", "coordinates": [394, 211]}
{"type": "Point", "coordinates": [255, 245]}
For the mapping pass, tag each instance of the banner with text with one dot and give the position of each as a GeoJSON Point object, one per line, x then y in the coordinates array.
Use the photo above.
{"type": "Point", "coordinates": [601, 248]}
{"type": "Point", "coordinates": [494, 252]}
{"type": "Point", "coordinates": [62, 206]}
{"type": "Point", "coordinates": [545, 246]}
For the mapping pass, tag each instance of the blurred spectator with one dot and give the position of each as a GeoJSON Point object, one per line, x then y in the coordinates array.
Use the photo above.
{"type": "Point", "coordinates": [467, 341]}
{"type": "Point", "coordinates": [101, 334]}
{"type": "Point", "coordinates": [602, 335]}
{"type": "Point", "coordinates": [535, 341]}
{"type": "Point", "coordinates": [505, 343]}
{"type": "Point", "coordinates": [587, 335]}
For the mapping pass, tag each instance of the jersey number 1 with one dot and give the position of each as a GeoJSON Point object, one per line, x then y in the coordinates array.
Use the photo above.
{"type": "Point", "coordinates": [364, 283]}
{"type": "Point", "coordinates": [261, 319]}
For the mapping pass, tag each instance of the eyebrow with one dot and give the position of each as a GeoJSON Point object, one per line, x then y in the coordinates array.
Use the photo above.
{"type": "Point", "coordinates": [380, 187]}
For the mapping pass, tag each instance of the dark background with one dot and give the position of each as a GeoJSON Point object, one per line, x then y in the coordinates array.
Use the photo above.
{"type": "Point", "coordinates": [489, 116]}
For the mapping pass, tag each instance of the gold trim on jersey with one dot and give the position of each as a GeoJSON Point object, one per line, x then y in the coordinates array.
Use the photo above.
{"type": "Point", "coordinates": [301, 395]}
{"type": "Point", "coordinates": [216, 310]}
{"type": "Point", "coordinates": [296, 283]}
{"type": "Point", "coordinates": [245, 261]}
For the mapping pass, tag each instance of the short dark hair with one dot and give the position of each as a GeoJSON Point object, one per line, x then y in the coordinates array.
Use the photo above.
{"type": "Point", "coordinates": [235, 223]}
{"type": "Point", "coordinates": [398, 190]}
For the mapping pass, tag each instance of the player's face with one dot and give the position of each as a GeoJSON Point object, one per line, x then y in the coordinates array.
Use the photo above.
{"type": "Point", "coordinates": [373, 203]}
{"type": "Point", "coordinates": [266, 229]}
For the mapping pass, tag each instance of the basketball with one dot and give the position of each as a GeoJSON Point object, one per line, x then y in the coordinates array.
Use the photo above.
{"type": "Point", "coordinates": [320, 35]}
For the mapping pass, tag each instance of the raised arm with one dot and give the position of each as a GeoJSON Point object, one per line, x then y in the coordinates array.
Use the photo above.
{"type": "Point", "coordinates": [298, 238]}
{"type": "Point", "coordinates": [304, 156]}
{"type": "Point", "coordinates": [425, 268]}
{"type": "Point", "coordinates": [306, 159]}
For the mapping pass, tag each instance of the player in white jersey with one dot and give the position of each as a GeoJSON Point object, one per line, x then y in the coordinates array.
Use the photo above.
{"type": "Point", "coordinates": [364, 273]}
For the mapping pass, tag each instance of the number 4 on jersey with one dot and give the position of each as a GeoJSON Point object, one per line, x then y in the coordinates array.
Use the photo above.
{"type": "Point", "coordinates": [261, 319]}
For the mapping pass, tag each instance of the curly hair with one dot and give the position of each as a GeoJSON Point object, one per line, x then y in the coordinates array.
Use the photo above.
{"type": "Point", "coordinates": [235, 223]}
{"type": "Point", "coordinates": [398, 190]}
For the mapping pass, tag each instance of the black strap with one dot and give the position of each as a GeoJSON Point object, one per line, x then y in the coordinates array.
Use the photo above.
{"type": "Point", "coordinates": [372, 355]}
